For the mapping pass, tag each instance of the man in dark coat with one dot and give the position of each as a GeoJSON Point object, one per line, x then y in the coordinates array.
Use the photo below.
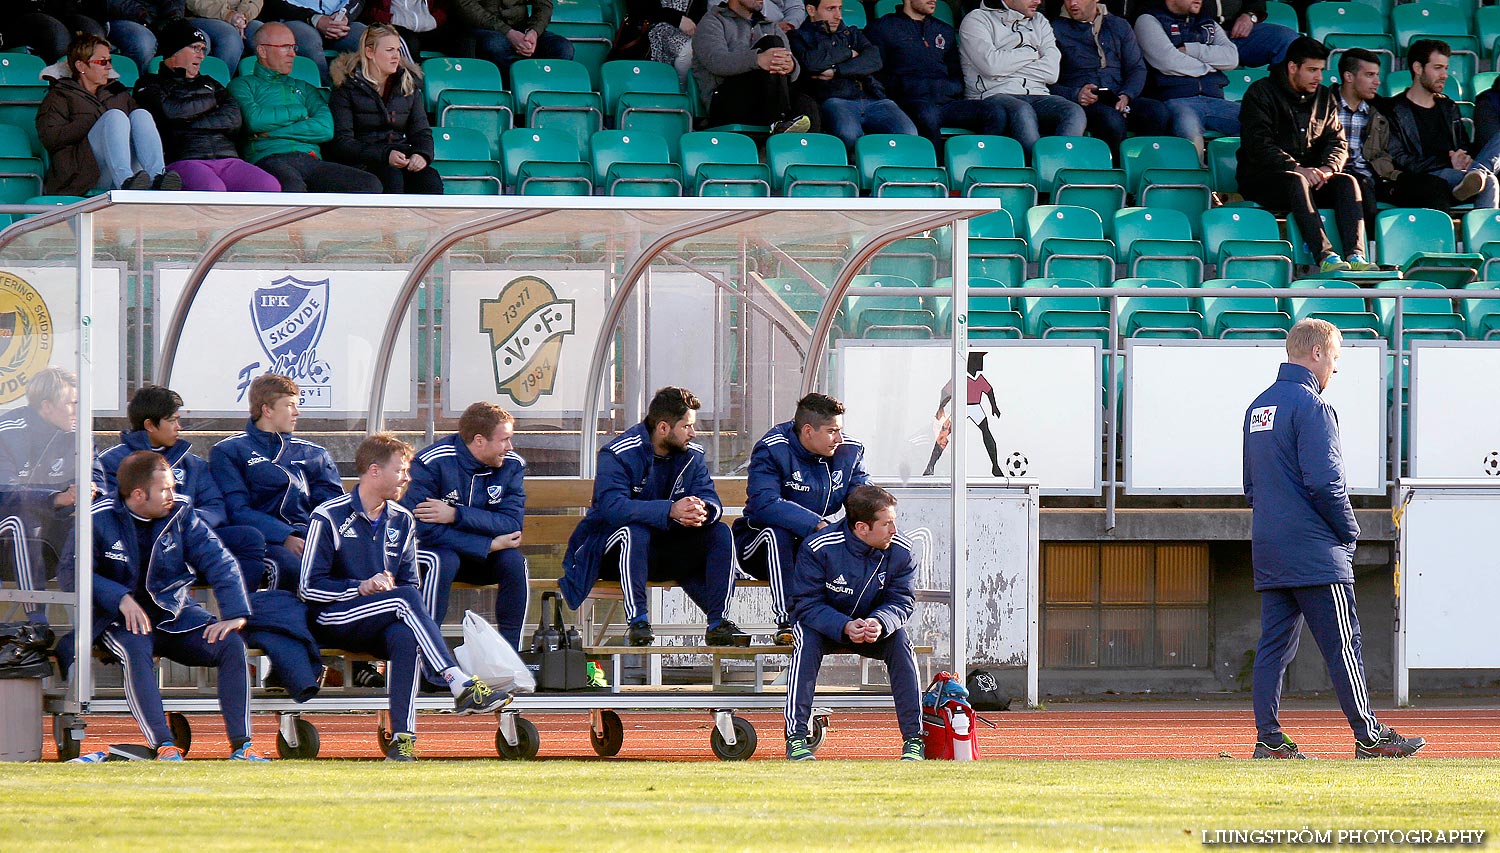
{"type": "Point", "coordinates": [1103, 71]}
{"type": "Point", "coordinates": [839, 64]}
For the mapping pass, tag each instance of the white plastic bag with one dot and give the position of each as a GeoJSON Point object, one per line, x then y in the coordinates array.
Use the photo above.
{"type": "Point", "coordinates": [487, 656]}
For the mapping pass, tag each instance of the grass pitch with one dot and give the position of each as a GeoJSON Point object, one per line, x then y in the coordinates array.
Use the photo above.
{"type": "Point", "coordinates": [764, 805]}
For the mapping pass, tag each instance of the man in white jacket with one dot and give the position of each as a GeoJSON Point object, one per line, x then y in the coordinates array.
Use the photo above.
{"type": "Point", "coordinates": [1008, 53]}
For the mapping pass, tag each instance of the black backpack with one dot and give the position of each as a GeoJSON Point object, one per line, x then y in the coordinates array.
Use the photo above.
{"type": "Point", "coordinates": [984, 691]}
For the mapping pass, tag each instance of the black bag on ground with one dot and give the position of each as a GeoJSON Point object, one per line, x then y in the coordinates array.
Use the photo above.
{"type": "Point", "coordinates": [984, 691]}
{"type": "Point", "coordinates": [23, 650]}
{"type": "Point", "coordinates": [556, 656]}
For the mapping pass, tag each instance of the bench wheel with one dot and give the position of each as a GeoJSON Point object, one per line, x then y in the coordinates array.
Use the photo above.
{"type": "Point", "coordinates": [307, 741]}
{"type": "Point", "coordinates": [817, 733]}
{"type": "Point", "coordinates": [528, 741]}
{"type": "Point", "coordinates": [744, 741]}
{"type": "Point", "coordinates": [182, 732]}
{"type": "Point", "coordinates": [68, 747]}
{"type": "Point", "coordinates": [607, 743]}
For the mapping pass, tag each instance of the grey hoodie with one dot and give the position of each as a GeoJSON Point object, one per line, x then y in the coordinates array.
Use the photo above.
{"type": "Point", "coordinates": [724, 46]}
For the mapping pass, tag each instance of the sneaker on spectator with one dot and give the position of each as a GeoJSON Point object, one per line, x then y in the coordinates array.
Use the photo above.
{"type": "Point", "coordinates": [1333, 263]}
{"type": "Point", "coordinates": [1469, 187]}
{"type": "Point", "coordinates": [798, 124]}
{"type": "Point", "coordinates": [139, 181]}
{"type": "Point", "coordinates": [1357, 263]}
{"type": "Point", "coordinates": [168, 180]}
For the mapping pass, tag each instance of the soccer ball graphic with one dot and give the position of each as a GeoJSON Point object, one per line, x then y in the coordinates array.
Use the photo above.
{"type": "Point", "coordinates": [1015, 465]}
{"type": "Point", "coordinates": [1491, 463]}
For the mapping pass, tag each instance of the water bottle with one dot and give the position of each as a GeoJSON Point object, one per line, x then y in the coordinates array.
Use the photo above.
{"type": "Point", "coordinates": [551, 638]}
{"type": "Point", "coordinates": [574, 641]}
{"type": "Point", "coordinates": [962, 745]}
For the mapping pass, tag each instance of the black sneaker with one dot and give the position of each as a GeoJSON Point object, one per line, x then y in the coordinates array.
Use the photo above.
{"type": "Point", "coordinates": [640, 633]}
{"type": "Point", "coordinates": [784, 636]}
{"type": "Point", "coordinates": [796, 124]}
{"type": "Point", "coordinates": [726, 633]}
{"type": "Point", "coordinates": [1388, 745]}
{"type": "Point", "coordinates": [1286, 749]}
{"type": "Point", "coordinates": [480, 698]}
{"type": "Point", "coordinates": [168, 180]}
{"type": "Point", "coordinates": [798, 750]}
{"type": "Point", "coordinates": [403, 747]}
{"type": "Point", "coordinates": [139, 181]}
{"type": "Point", "coordinates": [366, 675]}
{"type": "Point", "coordinates": [912, 749]}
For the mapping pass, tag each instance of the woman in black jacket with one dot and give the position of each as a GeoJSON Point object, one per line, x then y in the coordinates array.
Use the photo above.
{"type": "Point", "coordinates": [379, 120]}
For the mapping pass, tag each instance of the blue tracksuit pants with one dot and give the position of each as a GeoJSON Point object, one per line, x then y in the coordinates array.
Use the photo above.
{"type": "Point", "coordinates": [143, 694]}
{"type": "Point", "coordinates": [248, 547]}
{"type": "Point", "coordinates": [394, 625]}
{"type": "Point", "coordinates": [809, 647]}
{"type": "Point", "coordinates": [1329, 613]}
{"type": "Point", "coordinates": [698, 559]}
{"type": "Point", "coordinates": [768, 554]}
{"type": "Point", "coordinates": [440, 567]}
{"type": "Point", "coordinates": [282, 567]}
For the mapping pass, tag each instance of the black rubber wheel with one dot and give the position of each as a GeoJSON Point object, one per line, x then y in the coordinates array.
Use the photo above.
{"type": "Point", "coordinates": [67, 748]}
{"type": "Point", "coordinates": [528, 742]}
{"type": "Point", "coordinates": [307, 742]}
{"type": "Point", "coordinates": [744, 741]}
{"type": "Point", "coordinates": [817, 733]}
{"type": "Point", "coordinates": [385, 737]}
{"type": "Point", "coordinates": [182, 732]}
{"type": "Point", "coordinates": [608, 742]}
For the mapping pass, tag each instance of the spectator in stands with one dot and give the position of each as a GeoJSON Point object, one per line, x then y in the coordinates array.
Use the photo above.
{"type": "Point", "coordinates": [422, 25]}
{"type": "Point", "coordinates": [1429, 159]}
{"type": "Point", "coordinates": [46, 26]}
{"type": "Point", "coordinates": [852, 593]}
{"type": "Point", "coordinates": [670, 25]}
{"type": "Point", "coordinates": [1258, 41]}
{"type": "Point", "coordinates": [920, 70]}
{"type": "Point", "coordinates": [96, 134]}
{"type": "Point", "coordinates": [839, 64]}
{"type": "Point", "coordinates": [1487, 115]}
{"type": "Point", "coordinates": [1292, 153]}
{"type": "Point", "coordinates": [271, 480]}
{"type": "Point", "coordinates": [1188, 52]}
{"type": "Point", "coordinates": [468, 494]}
{"type": "Point", "coordinates": [1009, 53]}
{"type": "Point", "coordinates": [135, 25]}
{"type": "Point", "coordinates": [286, 118]}
{"type": "Point", "coordinates": [745, 71]}
{"type": "Point", "coordinates": [227, 23]}
{"type": "Point", "coordinates": [1365, 127]}
{"type": "Point", "coordinates": [140, 615]}
{"type": "Point", "coordinates": [786, 14]}
{"type": "Point", "coordinates": [316, 26]}
{"type": "Point", "coordinates": [379, 116]}
{"type": "Point", "coordinates": [656, 516]}
{"type": "Point", "coordinates": [197, 118]}
{"type": "Point", "coordinates": [503, 32]}
{"type": "Point", "coordinates": [359, 579]}
{"type": "Point", "coordinates": [1102, 70]}
{"type": "Point", "coordinates": [800, 473]}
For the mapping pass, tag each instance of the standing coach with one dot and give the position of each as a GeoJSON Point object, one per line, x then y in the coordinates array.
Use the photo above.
{"type": "Point", "coordinates": [1302, 542]}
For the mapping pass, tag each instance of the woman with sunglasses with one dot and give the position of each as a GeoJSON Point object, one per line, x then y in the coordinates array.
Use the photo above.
{"type": "Point", "coordinates": [96, 134]}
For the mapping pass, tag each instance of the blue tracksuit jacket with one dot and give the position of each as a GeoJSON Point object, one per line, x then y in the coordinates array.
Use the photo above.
{"type": "Point", "coordinates": [345, 548]}
{"type": "Point", "coordinates": [184, 549]}
{"type": "Point", "coordinates": [793, 489]}
{"type": "Point", "coordinates": [1303, 529]}
{"type": "Point", "coordinates": [194, 480]}
{"type": "Point", "coordinates": [271, 481]}
{"type": "Point", "coordinates": [839, 578]}
{"type": "Point", "coordinates": [490, 501]}
{"type": "Point", "coordinates": [620, 476]}
{"type": "Point", "coordinates": [36, 462]}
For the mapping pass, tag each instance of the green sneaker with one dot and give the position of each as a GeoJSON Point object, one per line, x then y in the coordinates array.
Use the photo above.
{"type": "Point", "coordinates": [403, 747]}
{"type": "Point", "coordinates": [798, 750]}
{"type": "Point", "coordinates": [1284, 748]}
{"type": "Point", "coordinates": [912, 749]}
{"type": "Point", "coordinates": [1357, 263]}
{"type": "Point", "coordinates": [1333, 263]}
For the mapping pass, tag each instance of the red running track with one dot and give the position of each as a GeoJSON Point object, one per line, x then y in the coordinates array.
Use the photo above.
{"type": "Point", "coordinates": [1109, 733]}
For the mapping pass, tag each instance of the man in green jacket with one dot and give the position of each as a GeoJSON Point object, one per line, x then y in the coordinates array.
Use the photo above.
{"type": "Point", "coordinates": [287, 118]}
{"type": "Point", "coordinates": [503, 31]}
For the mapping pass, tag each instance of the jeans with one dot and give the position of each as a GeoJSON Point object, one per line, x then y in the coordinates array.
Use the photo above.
{"type": "Point", "coordinates": [1029, 113]}
{"type": "Point", "coordinates": [224, 40]}
{"type": "Point", "coordinates": [1265, 45]}
{"type": "Point", "coordinates": [1191, 116]}
{"type": "Point", "coordinates": [987, 116]}
{"type": "Point", "coordinates": [849, 119]}
{"type": "Point", "coordinates": [1487, 164]}
{"type": "Point", "coordinates": [124, 145]}
{"type": "Point", "coordinates": [227, 175]}
{"type": "Point", "coordinates": [494, 46]}
{"type": "Point", "coordinates": [300, 173]}
{"type": "Point", "coordinates": [133, 40]}
{"type": "Point", "coordinates": [1147, 118]}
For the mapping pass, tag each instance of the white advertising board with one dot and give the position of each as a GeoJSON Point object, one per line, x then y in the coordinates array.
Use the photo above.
{"type": "Point", "coordinates": [1185, 405]}
{"type": "Point", "coordinates": [1047, 394]}
{"type": "Point", "coordinates": [39, 327]}
{"type": "Point", "coordinates": [321, 327]}
{"type": "Point", "coordinates": [1450, 579]}
{"type": "Point", "coordinates": [1455, 410]}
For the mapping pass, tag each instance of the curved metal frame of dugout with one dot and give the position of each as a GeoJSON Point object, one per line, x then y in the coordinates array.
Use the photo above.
{"type": "Point", "coordinates": [893, 219]}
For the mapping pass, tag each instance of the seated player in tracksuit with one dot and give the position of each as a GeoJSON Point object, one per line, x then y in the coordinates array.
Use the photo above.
{"type": "Point", "coordinates": [271, 480]}
{"type": "Point", "coordinates": [469, 498]}
{"type": "Point", "coordinates": [852, 593]}
{"type": "Point", "coordinates": [359, 579]}
{"type": "Point", "coordinates": [656, 516]}
{"type": "Point", "coordinates": [150, 548]}
{"type": "Point", "coordinates": [800, 472]}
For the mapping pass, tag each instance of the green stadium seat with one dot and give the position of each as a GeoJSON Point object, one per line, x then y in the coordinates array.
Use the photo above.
{"type": "Point", "coordinates": [1283, 14]}
{"type": "Point", "coordinates": [724, 165]}
{"type": "Point", "coordinates": [21, 78]}
{"type": "Point", "coordinates": [811, 165]}
{"type": "Point", "coordinates": [1481, 316]}
{"type": "Point", "coordinates": [1140, 153]}
{"type": "Point", "coordinates": [592, 42]}
{"type": "Point", "coordinates": [1412, 21]}
{"type": "Point", "coordinates": [906, 313]}
{"type": "Point", "coordinates": [1240, 80]}
{"type": "Point", "coordinates": [1223, 160]}
{"type": "Point", "coordinates": [212, 67]}
{"type": "Point", "coordinates": [1245, 242]}
{"type": "Point", "coordinates": [1074, 234]}
{"type": "Point", "coordinates": [1481, 229]}
{"type": "Point", "coordinates": [1344, 25]}
{"type": "Point", "coordinates": [995, 167]}
{"type": "Point", "coordinates": [52, 200]}
{"type": "Point", "coordinates": [1422, 319]}
{"type": "Point", "coordinates": [631, 163]}
{"type": "Point", "coordinates": [893, 165]}
{"type": "Point", "coordinates": [129, 72]}
{"type": "Point", "coordinates": [557, 93]}
{"type": "Point", "coordinates": [644, 96]}
{"type": "Point", "coordinates": [1395, 83]}
{"type": "Point", "coordinates": [854, 15]}
{"type": "Point", "coordinates": [1420, 243]}
{"type": "Point", "coordinates": [1062, 316]}
{"type": "Point", "coordinates": [303, 68]}
{"type": "Point", "coordinates": [1487, 27]}
{"type": "Point", "coordinates": [1352, 317]}
{"type": "Point", "coordinates": [995, 253]}
{"type": "Point", "coordinates": [1158, 243]}
{"type": "Point", "coordinates": [800, 297]}
{"type": "Point", "coordinates": [992, 313]}
{"type": "Point", "coordinates": [462, 156]}
{"type": "Point", "coordinates": [21, 174]}
{"type": "Point", "coordinates": [544, 161]}
{"type": "Point", "coordinates": [1257, 317]}
{"type": "Point", "coordinates": [914, 258]}
{"type": "Point", "coordinates": [1052, 154]}
{"type": "Point", "coordinates": [1188, 191]}
{"type": "Point", "coordinates": [467, 93]}
{"type": "Point", "coordinates": [1158, 316]}
{"type": "Point", "coordinates": [1299, 246]}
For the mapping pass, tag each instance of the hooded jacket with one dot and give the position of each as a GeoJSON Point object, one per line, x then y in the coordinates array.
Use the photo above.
{"type": "Point", "coordinates": [793, 489]}
{"type": "Point", "coordinates": [488, 501]}
{"type": "Point", "coordinates": [197, 117]}
{"type": "Point", "coordinates": [1281, 129]}
{"type": "Point", "coordinates": [190, 471]}
{"type": "Point", "coordinates": [272, 481]}
{"type": "Point", "coordinates": [818, 50]}
{"type": "Point", "coordinates": [63, 121]}
{"type": "Point", "coordinates": [1103, 52]}
{"type": "Point", "coordinates": [724, 46]}
{"type": "Point", "coordinates": [1187, 54]}
{"type": "Point", "coordinates": [1003, 52]}
{"type": "Point", "coordinates": [919, 60]}
{"type": "Point", "coordinates": [367, 126]}
{"type": "Point", "coordinates": [839, 578]}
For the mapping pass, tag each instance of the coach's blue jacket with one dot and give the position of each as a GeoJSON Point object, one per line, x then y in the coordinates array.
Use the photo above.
{"type": "Point", "coordinates": [183, 550]}
{"type": "Point", "coordinates": [344, 548]}
{"type": "Point", "coordinates": [839, 578]}
{"type": "Point", "coordinates": [189, 470]}
{"type": "Point", "coordinates": [792, 489]}
{"type": "Point", "coordinates": [490, 501]}
{"type": "Point", "coordinates": [1302, 527]}
{"type": "Point", "coordinates": [36, 462]}
{"type": "Point", "coordinates": [620, 477]}
{"type": "Point", "coordinates": [271, 481]}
